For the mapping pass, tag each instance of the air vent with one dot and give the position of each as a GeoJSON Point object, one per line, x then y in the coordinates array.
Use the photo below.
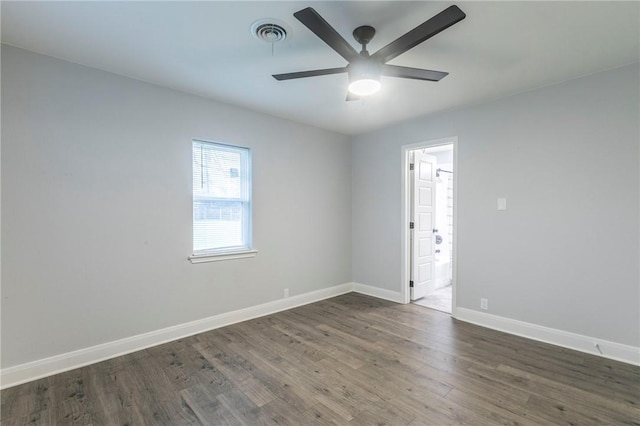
{"type": "Point", "coordinates": [269, 30]}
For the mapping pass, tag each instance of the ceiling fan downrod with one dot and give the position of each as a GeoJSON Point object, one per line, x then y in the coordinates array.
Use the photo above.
{"type": "Point", "coordinates": [363, 35]}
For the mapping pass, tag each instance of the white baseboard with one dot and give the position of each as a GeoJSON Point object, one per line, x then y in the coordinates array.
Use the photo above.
{"type": "Point", "coordinates": [578, 342]}
{"type": "Point", "coordinates": [380, 293]}
{"type": "Point", "coordinates": [27, 372]}
{"type": "Point", "coordinates": [34, 370]}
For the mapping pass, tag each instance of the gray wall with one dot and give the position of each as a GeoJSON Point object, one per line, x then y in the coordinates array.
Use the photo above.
{"type": "Point", "coordinates": [96, 208]}
{"type": "Point", "coordinates": [565, 254]}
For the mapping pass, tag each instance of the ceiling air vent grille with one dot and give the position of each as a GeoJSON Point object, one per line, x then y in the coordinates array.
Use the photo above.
{"type": "Point", "coordinates": [269, 30]}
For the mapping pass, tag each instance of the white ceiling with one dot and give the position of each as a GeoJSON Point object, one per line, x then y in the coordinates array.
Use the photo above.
{"type": "Point", "coordinates": [206, 48]}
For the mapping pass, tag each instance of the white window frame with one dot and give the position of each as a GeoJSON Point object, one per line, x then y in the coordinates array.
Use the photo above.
{"type": "Point", "coordinates": [236, 252]}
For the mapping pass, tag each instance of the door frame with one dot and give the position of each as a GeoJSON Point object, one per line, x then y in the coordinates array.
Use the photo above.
{"type": "Point", "coordinates": [405, 238]}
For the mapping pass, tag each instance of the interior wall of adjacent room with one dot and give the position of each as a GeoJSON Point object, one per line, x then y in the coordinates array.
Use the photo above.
{"type": "Point", "coordinates": [547, 151]}
{"type": "Point", "coordinates": [96, 208]}
{"type": "Point", "coordinates": [444, 212]}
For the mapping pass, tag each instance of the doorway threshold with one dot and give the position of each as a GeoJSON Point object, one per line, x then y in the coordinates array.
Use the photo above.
{"type": "Point", "coordinates": [439, 300]}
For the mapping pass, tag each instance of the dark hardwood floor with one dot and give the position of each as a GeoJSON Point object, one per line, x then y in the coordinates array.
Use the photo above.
{"type": "Point", "coordinates": [352, 359]}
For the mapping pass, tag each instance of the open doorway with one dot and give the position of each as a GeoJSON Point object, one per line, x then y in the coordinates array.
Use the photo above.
{"type": "Point", "coordinates": [429, 211]}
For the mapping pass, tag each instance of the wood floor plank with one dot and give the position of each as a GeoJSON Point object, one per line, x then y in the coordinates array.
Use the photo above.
{"type": "Point", "coordinates": [28, 399]}
{"type": "Point", "coordinates": [502, 412]}
{"type": "Point", "coordinates": [184, 368]}
{"type": "Point", "coordinates": [319, 344]}
{"type": "Point", "coordinates": [605, 406]}
{"type": "Point", "coordinates": [321, 415]}
{"type": "Point", "coordinates": [319, 338]}
{"type": "Point", "coordinates": [240, 406]}
{"type": "Point", "coordinates": [577, 376]}
{"type": "Point", "coordinates": [558, 414]}
{"type": "Point", "coordinates": [382, 416]}
{"type": "Point", "coordinates": [349, 360]}
{"type": "Point", "coordinates": [237, 366]}
{"type": "Point", "coordinates": [483, 388]}
{"type": "Point", "coordinates": [373, 348]}
{"type": "Point", "coordinates": [384, 390]}
{"type": "Point", "coordinates": [278, 412]}
{"type": "Point", "coordinates": [434, 410]}
{"type": "Point", "coordinates": [206, 406]}
{"type": "Point", "coordinates": [563, 394]}
{"type": "Point", "coordinates": [337, 393]}
{"type": "Point", "coordinates": [278, 381]}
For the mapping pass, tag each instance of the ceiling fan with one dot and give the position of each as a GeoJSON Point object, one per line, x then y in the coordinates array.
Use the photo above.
{"type": "Point", "coordinates": [364, 69]}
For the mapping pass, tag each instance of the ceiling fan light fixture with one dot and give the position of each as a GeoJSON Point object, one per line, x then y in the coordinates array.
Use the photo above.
{"type": "Point", "coordinates": [364, 78]}
{"type": "Point", "coordinates": [364, 87]}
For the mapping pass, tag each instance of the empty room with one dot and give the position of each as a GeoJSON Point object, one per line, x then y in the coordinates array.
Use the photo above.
{"type": "Point", "coordinates": [316, 213]}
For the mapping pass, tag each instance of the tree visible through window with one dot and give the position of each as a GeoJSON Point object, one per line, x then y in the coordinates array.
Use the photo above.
{"type": "Point", "coordinates": [221, 198]}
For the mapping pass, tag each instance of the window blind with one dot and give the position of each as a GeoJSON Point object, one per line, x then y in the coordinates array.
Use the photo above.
{"type": "Point", "coordinates": [221, 198]}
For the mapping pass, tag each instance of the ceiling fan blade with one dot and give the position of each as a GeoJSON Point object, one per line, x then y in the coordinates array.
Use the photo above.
{"type": "Point", "coordinates": [313, 73]}
{"type": "Point", "coordinates": [422, 32]}
{"type": "Point", "coordinates": [414, 73]}
{"type": "Point", "coordinates": [316, 23]}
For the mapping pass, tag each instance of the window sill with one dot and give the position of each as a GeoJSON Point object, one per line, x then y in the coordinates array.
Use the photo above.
{"type": "Point", "coordinates": [216, 257]}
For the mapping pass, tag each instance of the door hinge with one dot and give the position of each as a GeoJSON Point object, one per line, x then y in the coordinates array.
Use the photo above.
{"type": "Point", "coordinates": [410, 225]}
{"type": "Point", "coordinates": [410, 283]}
{"type": "Point", "coordinates": [411, 166]}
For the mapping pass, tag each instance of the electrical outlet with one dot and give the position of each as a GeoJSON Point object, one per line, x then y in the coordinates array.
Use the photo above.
{"type": "Point", "coordinates": [484, 304]}
{"type": "Point", "coordinates": [286, 292]}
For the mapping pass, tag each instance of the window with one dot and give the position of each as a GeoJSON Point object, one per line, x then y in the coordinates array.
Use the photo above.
{"type": "Point", "coordinates": [221, 200]}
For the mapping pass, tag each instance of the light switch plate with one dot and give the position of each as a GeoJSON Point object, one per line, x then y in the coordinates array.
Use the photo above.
{"type": "Point", "coordinates": [502, 203]}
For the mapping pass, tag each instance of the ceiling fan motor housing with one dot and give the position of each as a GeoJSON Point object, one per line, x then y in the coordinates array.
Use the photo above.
{"type": "Point", "coordinates": [364, 69]}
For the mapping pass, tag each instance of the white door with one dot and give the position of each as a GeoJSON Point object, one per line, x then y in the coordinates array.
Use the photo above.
{"type": "Point", "coordinates": [423, 265]}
